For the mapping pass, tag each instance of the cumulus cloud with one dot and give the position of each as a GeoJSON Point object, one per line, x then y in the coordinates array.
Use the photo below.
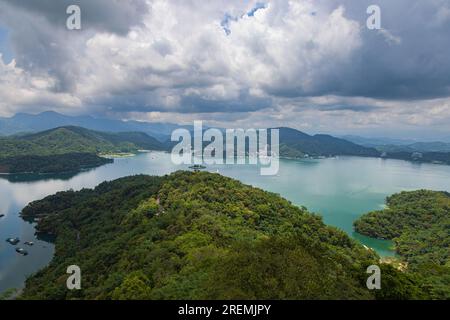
{"type": "Point", "coordinates": [19, 88]}
{"type": "Point", "coordinates": [228, 60]}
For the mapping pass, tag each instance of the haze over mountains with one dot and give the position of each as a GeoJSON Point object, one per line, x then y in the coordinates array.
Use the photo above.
{"type": "Point", "coordinates": [400, 145]}
{"type": "Point", "coordinates": [93, 132]}
{"type": "Point", "coordinates": [23, 122]}
{"type": "Point", "coordinates": [293, 142]}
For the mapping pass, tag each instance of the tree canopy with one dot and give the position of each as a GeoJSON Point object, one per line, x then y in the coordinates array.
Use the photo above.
{"type": "Point", "coordinates": [198, 236]}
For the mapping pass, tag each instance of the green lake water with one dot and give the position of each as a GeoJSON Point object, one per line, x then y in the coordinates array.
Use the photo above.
{"type": "Point", "coordinates": [339, 189]}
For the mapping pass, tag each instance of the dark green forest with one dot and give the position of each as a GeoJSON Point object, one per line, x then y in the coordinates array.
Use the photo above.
{"type": "Point", "coordinates": [199, 236]}
{"type": "Point", "coordinates": [70, 162]}
{"type": "Point", "coordinates": [67, 149]}
{"type": "Point", "coordinates": [419, 224]}
{"type": "Point", "coordinates": [65, 140]}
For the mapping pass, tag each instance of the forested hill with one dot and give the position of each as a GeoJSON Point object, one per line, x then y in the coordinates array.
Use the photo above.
{"type": "Point", "coordinates": [68, 149]}
{"type": "Point", "coordinates": [419, 223]}
{"type": "Point", "coordinates": [75, 139]}
{"type": "Point", "coordinates": [294, 143]}
{"type": "Point", "coordinates": [199, 236]}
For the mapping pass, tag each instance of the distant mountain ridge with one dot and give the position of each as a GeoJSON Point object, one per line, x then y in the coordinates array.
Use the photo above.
{"type": "Point", "coordinates": [294, 143]}
{"type": "Point", "coordinates": [399, 145]}
{"type": "Point", "coordinates": [108, 134]}
{"type": "Point", "coordinates": [28, 123]}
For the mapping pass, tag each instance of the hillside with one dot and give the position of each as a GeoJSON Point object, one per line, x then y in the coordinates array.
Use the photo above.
{"type": "Point", "coordinates": [67, 149]}
{"type": "Point", "coordinates": [294, 143]}
{"type": "Point", "coordinates": [75, 140]}
{"type": "Point", "coordinates": [419, 224]}
{"type": "Point", "coordinates": [198, 236]}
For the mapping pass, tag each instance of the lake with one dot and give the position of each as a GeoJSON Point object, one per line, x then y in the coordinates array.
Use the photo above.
{"type": "Point", "coordinates": [339, 189]}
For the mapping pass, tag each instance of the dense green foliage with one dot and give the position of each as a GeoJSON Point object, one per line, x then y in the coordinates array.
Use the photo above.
{"type": "Point", "coordinates": [71, 162]}
{"type": "Point", "coordinates": [197, 236]}
{"type": "Point", "coordinates": [67, 149]}
{"type": "Point", "coordinates": [75, 140]}
{"type": "Point", "coordinates": [419, 223]}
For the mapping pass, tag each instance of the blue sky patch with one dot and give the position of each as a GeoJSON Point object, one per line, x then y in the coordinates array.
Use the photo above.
{"type": "Point", "coordinates": [259, 5]}
{"type": "Point", "coordinates": [5, 49]}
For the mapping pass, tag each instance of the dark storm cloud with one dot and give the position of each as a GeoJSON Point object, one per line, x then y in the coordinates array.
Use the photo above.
{"type": "Point", "coordinates": [354, 108]}
{"type": "Point", "coordinates": [409, 59]}
{"type": "Point", "coordinates": [42, 43]}
{"type": "Point", "coordinates": [150, 101]}
{"type": "Point", "coordinates": [245, 103]}
{"type": "Point", "coordinates": [180, 55]}
{"type": "Point", "coordinates": [105, 15]}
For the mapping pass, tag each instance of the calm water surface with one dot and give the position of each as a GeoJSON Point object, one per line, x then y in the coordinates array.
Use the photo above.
{"type": "Point", "coordinates": [339, 189]}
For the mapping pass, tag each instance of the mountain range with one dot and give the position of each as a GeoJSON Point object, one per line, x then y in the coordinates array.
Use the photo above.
{"type": "Point", "coordinates": [50, 133]}
{"type": "Point", "coordinates": [399, 145]}
{"type": "Point", "coordinates": [28, 123]}
{"type": "Point", "coordinates": [295, 144]}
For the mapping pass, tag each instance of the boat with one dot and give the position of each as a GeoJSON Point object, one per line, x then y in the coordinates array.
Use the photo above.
{"type": "Point", "coordinates": [197, 167]}
{"type": "Point", "coordinates": [29, 243]}
{"type": "Point", "coordinates": [13, 241]}
{"type": "Point", "coordinates": [2, 215]}
{"type": "Point", "coordinates": [22, 251]}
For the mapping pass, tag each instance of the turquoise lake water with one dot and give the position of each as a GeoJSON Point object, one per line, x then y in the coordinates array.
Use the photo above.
{"type": "Point", "coordinates": [339, 189]}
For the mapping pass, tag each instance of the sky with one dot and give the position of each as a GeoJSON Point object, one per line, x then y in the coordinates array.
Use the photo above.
{"type": "Point", "coordinates": [312, 65]}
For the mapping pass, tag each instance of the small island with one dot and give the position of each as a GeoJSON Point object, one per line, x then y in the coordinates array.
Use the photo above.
{"type": "Point", "coordinates": [197, 167]}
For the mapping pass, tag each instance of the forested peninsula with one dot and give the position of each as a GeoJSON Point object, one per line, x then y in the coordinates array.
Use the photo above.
{"type": "Point", "coordinates": [198, 235]}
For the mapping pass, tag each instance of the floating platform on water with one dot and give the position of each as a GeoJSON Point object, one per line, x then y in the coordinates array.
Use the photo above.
{"type": "Point", "coordinates": [197, 167]}
{"type": "Point", "coordinates": [13, 241]}
{"type": "Point", "coordinates": [22, 251]}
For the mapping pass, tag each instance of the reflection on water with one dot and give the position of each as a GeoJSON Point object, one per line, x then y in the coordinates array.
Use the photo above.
{"type": "Point", "coordinates": [338, 189]}
{"type": "Point", "coordinates": [37, 177]}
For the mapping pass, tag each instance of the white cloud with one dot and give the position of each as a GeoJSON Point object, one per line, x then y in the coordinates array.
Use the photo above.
{"type": "Point", "coordinates": [308, 64]}
{"type": "Point", "coordinates": [19, 88]}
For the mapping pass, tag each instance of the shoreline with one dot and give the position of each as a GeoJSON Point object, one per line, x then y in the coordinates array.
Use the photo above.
{"type": "Point", "coordinates": [50, 173]}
